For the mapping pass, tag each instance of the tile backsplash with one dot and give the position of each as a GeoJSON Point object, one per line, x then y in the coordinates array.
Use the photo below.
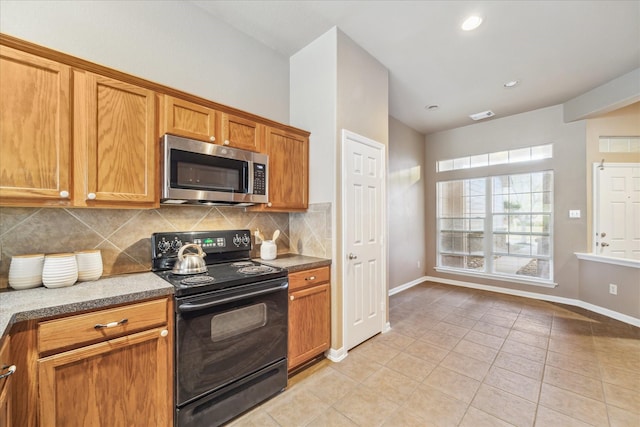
{"type": "Point", "coordinates": [123, 235]}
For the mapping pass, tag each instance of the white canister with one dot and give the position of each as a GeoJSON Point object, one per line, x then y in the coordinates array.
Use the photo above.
{"type": "Point", "coordinates": [59, 270]}
{"type": "Point", "coordinates": [268, 250]}
{"type": "Point", "coordinates": [25, 271]}
{"type": "Point", "coordinates": [89, 265]}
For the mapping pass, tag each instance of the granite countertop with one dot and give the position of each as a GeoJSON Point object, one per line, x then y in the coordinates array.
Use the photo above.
{"type": "Point", "coordinates": [41, 302]}
{"type": "Point", "coordinates": [295, 262]}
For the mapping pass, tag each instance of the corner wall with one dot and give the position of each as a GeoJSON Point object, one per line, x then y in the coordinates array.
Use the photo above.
{"type": "Point", "coordinates": [406, 207]}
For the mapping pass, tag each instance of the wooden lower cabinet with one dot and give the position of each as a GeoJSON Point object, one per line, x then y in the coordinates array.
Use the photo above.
{"type": "Point", "coordinates": [309, 315]}
{"type": "Point", "coordinates": [124, 381]}
{"type": "Point", "coordinates": [5, 383]}
{"type": "Point", "coordinates": [103, 368]}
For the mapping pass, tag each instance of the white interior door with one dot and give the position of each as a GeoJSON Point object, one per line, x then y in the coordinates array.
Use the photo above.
{"type": "Point", "coordinates": [618, 210]}
{"type": "Point", "coordinates": [364, 222]}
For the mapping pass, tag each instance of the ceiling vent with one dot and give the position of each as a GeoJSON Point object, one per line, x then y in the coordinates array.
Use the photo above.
{"type": "Point", "coordinates": [483, 115]}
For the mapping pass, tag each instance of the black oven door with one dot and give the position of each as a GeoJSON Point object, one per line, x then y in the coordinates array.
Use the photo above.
{"type": "Point", "coordinates": [223, 337]}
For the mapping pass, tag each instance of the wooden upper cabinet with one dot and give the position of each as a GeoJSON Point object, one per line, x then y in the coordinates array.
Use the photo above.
{"type": "Point", "coordinates": [35, 130]}
{"type": "Point", "coordinates": [288, 170]}
{"type": "Point", "coordinates": [115, 143]}
{"type": "Point", "coordinates": [241, 133]}
{"type": "Point", "coordinates": [184, 118]}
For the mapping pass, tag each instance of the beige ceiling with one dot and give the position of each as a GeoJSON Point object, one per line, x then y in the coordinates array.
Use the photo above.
{"type": "Point", "coordinates": [556, 49]}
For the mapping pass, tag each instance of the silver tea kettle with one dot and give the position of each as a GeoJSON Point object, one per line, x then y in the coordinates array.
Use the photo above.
{"type": "Point", "coordinates": [190, 263]}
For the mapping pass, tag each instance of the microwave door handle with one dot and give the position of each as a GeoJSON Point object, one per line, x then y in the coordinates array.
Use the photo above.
{"type": "Point", "coordinates": [246, 177]}
{"type": "Point", "coordinates": [188, 306]}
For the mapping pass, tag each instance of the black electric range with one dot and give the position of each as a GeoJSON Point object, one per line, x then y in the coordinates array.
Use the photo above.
{"type": "Point", "coordinates": [227, 255]}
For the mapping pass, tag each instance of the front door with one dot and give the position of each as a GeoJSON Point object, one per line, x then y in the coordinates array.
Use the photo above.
{"type": "Point", "coordinates": [364, 272]}
{"type": "Point", "coordinates": [617, 208]}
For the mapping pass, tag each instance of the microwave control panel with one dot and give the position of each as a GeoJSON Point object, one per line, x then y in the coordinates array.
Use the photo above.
{"type": "Point", "coordinates": [259, 178]}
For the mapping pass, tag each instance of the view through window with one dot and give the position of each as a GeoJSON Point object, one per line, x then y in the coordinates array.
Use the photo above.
{"type": "Point", "coordinates": [499, 225]}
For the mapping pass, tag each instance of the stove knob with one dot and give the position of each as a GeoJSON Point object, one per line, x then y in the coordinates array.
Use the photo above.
{"type": "Point", "coordinates": [176, 244]}
{"type": "Point", "coordinates": [163, 246]}
{"type": "Point", "coordinates": [246, 240]}
{"type": "Point", "coordinates": [237, 240]}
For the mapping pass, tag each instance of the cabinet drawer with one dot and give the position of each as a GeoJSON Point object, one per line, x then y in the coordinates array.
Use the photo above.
{"type": "Point", "coordinates": [101, 325]}
{"type": "Point", "coordinates": [301, 279]}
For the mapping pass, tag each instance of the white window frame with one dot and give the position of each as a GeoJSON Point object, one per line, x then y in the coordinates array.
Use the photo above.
{"type": "Point", "coordinates": [488, 235]}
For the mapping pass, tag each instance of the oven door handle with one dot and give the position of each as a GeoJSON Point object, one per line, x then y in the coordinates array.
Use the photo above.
{"type": "Point", "coordinates": [188, 306]}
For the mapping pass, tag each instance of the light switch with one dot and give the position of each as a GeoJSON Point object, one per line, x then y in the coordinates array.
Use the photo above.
{"type": "Point", "coordinates": [574, 213]}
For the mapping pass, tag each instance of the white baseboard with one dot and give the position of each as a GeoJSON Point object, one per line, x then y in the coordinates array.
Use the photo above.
{"type": "Point", "coordinates": [551, 298]}
{"type": "Point", "coordinates": [386, 328]}
{"type": "Point", "coordinates": [408, 285]}
{"type": "Point", "coordinates": [336, 355]}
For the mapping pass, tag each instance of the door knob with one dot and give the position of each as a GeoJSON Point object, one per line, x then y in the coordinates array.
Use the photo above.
{"type": "Point", "coordinates": [604, 244]}
{"type": "Point", "coordinates": [352, 256]}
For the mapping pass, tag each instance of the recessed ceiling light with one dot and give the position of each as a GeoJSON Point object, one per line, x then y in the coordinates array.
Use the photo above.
{"type": "Point", "coordinates": [471, 23]}
{"type": "Point", "coordinates": [511, 83]}
{"type": "Point", "coordinates": [482, 115]}
{"type": "Point", "coordinates": [432, 107]}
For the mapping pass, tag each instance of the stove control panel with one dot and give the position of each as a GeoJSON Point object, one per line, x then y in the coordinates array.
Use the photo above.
{"type": "Point", "coordinates": [216, 244]}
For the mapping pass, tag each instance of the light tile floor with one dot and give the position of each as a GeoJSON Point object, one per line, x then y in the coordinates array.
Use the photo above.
{"type": "Point", "coordinates": [464, 357]}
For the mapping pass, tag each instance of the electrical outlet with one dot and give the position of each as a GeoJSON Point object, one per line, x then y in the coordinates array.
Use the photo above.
{"type": "Point", "coordinates": [613, 289]}
{"type": "Point", "coordinates": [574, 213]}
{"type": "Point", "coordinates": [419, 264]}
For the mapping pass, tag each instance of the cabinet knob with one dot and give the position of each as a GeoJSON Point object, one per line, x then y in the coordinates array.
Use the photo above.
{"type": "Point", "coordinates": [291, 297]}
{"type": "Point", "coordinates": [310, 278]}
{"type": "Point", "coordinates": [269, 205]}
{"type": "Point", "coordinates": [226, 142]}
{"type": "Point", "coordinates": [164, 333]}
{"type": "Point", "coordinates": [64, 194]}
{"type": "Point", "coordinates": [212, 138]}
{"type": "Point", "coordinates": [91, 196]}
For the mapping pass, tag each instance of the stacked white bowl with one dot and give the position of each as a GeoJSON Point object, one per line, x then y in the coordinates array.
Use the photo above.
{"type": "Point", "coordinates": [59, 270]}
{"type": "Point", "coordinates": [25, 271]}
{"type": "Point", "coordinates": [89, 265]}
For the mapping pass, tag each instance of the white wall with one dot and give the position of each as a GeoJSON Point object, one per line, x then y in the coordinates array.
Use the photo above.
{"type": "Point", "coordinates": [169, 42]}
{"type": "Point", "coordinates": [336, 84]}
{"type": "Point", "coordinates": [313, 92]}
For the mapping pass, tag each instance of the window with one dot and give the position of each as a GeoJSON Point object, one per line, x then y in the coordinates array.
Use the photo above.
{"type": "Point", "coordinates": [619, 144]}
{"type": "Point", "coordinates": [518, 155]}
{"type": "Point", "coordinates": [500, 225]}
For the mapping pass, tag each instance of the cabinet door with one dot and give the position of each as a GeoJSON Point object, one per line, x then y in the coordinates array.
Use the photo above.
{"type": "Point", "coordinates": [34, 130]}
{"type": "Point", "coordinates": [115, 144]}
{"type": "Point", "coordinates": [5, 384]}
{"type": "Point", "coordinates": [184, 118]}
{"type": "Point", "coordinates": [309, 323]}
{"type": "Point", "coordinates": [241, 133]}
{"type": "Point", "coordinates": [288, 171]}
{"type": "Point", "coordinates": [125, 381]}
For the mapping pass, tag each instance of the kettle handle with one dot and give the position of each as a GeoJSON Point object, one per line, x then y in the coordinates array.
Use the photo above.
{"type": "Point", "coordinates": [190, 245]}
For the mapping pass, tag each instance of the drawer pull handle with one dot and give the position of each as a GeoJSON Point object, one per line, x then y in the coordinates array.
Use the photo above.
{"type": "Point", "coordinates": [291, 297]}
{"type": "Point", "coordinates": [111, 324]}
{"type": "Point", "coordinates": [310, 278]}
{"type": "Point", "coordinates": [11, 369]}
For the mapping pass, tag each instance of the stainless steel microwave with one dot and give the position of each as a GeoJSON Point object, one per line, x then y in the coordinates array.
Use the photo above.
{"type": "Point", "coordinates": [196, 172]}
